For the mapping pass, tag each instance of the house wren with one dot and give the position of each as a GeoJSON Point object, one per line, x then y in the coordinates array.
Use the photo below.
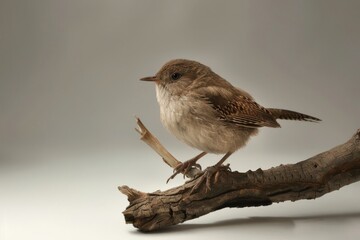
{"type": "Point", "coordinates": [208, 113]}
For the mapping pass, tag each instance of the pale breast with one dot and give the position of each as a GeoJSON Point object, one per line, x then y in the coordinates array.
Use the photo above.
{"type": "Point", "coordinates": [194, 125]}
{"type": "Point", "coordinates": [172, 111]}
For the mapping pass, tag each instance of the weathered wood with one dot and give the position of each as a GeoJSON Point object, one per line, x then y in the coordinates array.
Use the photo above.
{"type": "Point", "coordinates": [154, 143]}
{"type": "Point", "coordinates": [308, 179]}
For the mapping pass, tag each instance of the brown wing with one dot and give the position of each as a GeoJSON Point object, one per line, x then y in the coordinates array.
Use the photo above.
{"type": "Point", "coordinates": [235, 107]}
{"type": "Point", "coordinates": [291, 115]}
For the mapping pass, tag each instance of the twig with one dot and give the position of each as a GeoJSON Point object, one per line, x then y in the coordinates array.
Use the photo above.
{"type": "Point", "coordinates": [155, 144]}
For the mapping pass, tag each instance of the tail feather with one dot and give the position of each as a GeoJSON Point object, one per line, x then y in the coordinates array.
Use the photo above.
{"type": "Point", "coordinates": [291, 115]}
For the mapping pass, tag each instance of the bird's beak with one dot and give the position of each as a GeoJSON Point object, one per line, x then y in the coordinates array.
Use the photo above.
{"type": "Point", "coordinates": [149, 79]}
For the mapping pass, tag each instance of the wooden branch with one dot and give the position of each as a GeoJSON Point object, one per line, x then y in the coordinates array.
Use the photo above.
{"type": "Point", "coordinates": [155, 144]}
{"type": "Point", "coordinates": [308, 179]}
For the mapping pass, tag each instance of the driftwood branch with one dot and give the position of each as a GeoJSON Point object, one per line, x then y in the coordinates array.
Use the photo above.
{"type": "Point", "coordinates": [308, 179]}
{"type": "Point", "coordinates": [155, 144]}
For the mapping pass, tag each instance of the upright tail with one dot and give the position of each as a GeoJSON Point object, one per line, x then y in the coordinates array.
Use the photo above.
{"type": "Point", "coordinates": [291, 115]}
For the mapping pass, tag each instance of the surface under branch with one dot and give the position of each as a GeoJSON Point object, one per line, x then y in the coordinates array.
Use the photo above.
{"type": "Point", "coordinates": [308, 179]}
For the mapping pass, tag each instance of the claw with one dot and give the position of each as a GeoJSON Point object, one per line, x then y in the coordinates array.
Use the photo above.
{"type": "Point", "coordinates": [207, 176]}
{"type": "Point", "coordinates": [198, 166]}
{"type": "Point", "coordinates": [227, 167]}
{"type": "Point", "coordinates": [184, 168]}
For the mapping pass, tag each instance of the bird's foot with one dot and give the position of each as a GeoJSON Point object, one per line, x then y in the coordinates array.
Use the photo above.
{"type": "Point", "coordinates": [185, 167]}
{"type": "Point", "coordinates": [210, 177]}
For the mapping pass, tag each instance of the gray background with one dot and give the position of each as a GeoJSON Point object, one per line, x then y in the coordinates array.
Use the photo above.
{"type": "Point", "coordinates": [69, 92]}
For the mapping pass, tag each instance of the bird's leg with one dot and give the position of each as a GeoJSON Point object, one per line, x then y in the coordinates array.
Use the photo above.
{"type": "Point", "coordinates": [222, 160]}
{"type": "Point", "coordinates": [187, 165]}
{"type": "Point", "coordinates": [209, 172]}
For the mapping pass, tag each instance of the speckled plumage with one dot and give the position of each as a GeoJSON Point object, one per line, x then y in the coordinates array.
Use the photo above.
{"type": "Point", "coordinates": [208, 113]}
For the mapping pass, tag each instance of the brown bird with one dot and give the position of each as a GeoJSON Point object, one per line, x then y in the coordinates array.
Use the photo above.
{"type": "Point", "coordinates": [208, 113]}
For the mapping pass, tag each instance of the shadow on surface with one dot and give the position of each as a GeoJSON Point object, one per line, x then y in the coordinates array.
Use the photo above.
{"type": "Point", "coordinates": [259, 222]}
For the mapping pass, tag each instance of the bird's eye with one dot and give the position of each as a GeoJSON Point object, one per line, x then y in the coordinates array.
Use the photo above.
{"type": "Point", "coordinates": [175, 76]}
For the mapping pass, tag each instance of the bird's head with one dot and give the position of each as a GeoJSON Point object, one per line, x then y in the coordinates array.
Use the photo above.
{"type": "Point", "coordinates": [177, 75]}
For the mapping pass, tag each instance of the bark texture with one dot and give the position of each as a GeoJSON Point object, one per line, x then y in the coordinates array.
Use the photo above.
{"type": "Point", "coordinates": [308, 179]}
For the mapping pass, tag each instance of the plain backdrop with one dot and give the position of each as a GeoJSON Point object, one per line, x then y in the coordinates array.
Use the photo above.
{"type": "Point", "coordinates": [69, 92]}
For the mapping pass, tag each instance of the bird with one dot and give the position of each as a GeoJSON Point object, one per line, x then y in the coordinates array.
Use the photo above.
{"type": "Point", "coordinates": [208, 113]}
